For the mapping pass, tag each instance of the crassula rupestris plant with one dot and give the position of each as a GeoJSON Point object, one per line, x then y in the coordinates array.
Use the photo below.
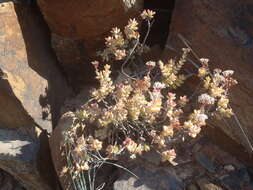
{"type": "Point", "coordinates": [140, 110]}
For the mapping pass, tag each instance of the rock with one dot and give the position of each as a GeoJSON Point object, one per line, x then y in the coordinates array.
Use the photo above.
{"type": "Point", "coordinates": [152, 156]}
{"type": "Point", "coordinates": [192, 187]}
{"type": "Point", "coordinates": [210, 161]}
{"type": "Point", "coordinates": [57, 152]}
{"type": "Point", "coordinates": [249, 187]}
{"type": "Point", "coordinates": [224, 169]}
{"type": "Point", "coordinates": [59, 159]}
{"type": "Point", "coordinates": [214, 159]}
{"type": "Point", "coordinates": [189, 170]}
{"type": "Point", "coordinates": [206, 162]}
{"type": "Point", "coordinates": [236, 180]}
{"type": "Point", "coordinates": [32, 91]}
{"type": "Point", "coordinates": [79, 28]}
{"type": "Point", "coordinates": [32, 87]}
{"type": "Point", "coordinates": [149, 179]}
{"type": "Point", "coordinates": [19, 156]}
{"type": "Point", "coordinates": [7, 182]}
{"type": "Point", "coordinates": [229, 168]}
{"type": "Point", "coordinates": [222, 32]}
{"type": "Point", "coordinates": [205, 184]}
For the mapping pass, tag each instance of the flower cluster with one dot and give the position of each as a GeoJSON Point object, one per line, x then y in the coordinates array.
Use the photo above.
{"type": "Point", "coordinates": [218, 84]}
{"type": "Point", "coordinates": [120, 44]}
{"type": "Point", "coordinates": [143, 112]}
{"type": "Point", "coordinates": [106, 84]}
{"type": "Point", "coordinates": [170, 71]}
{"type": "Point", "coordinates": [147, 14]}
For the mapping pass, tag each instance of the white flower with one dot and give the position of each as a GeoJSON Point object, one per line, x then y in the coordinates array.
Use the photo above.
{"type": "Point", "coordinates": [188, 124]}
{"type": "Point", "coordinates": [120, 54]}
{"type": "Point", "coordinates": [206, 99]}
{"type": "Point", "coordinates": [132, 24]}
{"type": "Point", "coordinates": [223, 102]}
{"type": "Point", "coordinates": [96, 144]}
{"type": "Point", "coordinates": [95, 64]}
{"type": "Point", "coordinates": [151, 63]}
{"type": "Point", "coordinates": [158, 85]}
{"type": "Point", "coordinates": [115, 31]}
{"type": "Point", "coordinates": [168, 131]}
{"type": "Point", "coordinates": [201, 117]}
{"type": "Point", "coordinates": [169, 155]}
{"type": "Point", "coordinates": [228, 73]}
{"type": "Point", "coordinates": [204, 60]}
{"type": "Point", "coordinates": [194, 131]}
{"type": "Point", "coordinates": [147, 14]}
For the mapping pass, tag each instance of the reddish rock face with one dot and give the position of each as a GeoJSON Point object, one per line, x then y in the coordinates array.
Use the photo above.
{"type": "Point", "coordinates": [78, 30]}
{"type": "Point", "coordinates": [84, 19]}
{"type": "Point", "coordinates": [32, 91]}
{"type": "Point", "coordinates": [31, 84]}
{"type": "Point", "coordinates": [223, 32]}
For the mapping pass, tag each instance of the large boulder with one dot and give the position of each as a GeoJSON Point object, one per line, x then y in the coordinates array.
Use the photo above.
{"type": "Point", "coordinates": [149, 179]}
{"type": "Point", "coordinates": [223, 32]}
{"type": "Point", "coordinates": [32, 91]}
{"type": "Point", "coordinates": [31, 83]}
{"type": "Point", "coordinates": [18, 156]}
{"type": "Point", "coordinates": [78, 30]}
{"type": "Point", "coordinates": [57, 151]}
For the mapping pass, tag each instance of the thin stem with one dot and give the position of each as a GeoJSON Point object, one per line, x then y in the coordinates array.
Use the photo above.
{"type": "Point", "coordinates": [119, 166]}
{"type": "Point", "coordinates": [68, 157]}
{"type": "Point", "coordinates": [127, 59]}
{"type": "Point", "coordinates": [148, 31]}
{"type": "Point", "coordinates": [90, 183]}
{"type": "Point", "coordinates": [188, 59]}
{"type": "Point", "coordinates": [243, 131]}
{"type": "Point", "coordinates": [188, 46]}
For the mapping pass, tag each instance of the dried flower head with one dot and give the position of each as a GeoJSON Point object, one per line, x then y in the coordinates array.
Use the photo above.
{"type": "Point", "coordinates": [169, 155]}
{"type": "Point", "coordinates": [120, 54]}
{"type": "Point", "coordinates": [168, 131]}
{"type": "Point", "coordinates": [206, 99]}
{"type": "Point", "coordinates": [147, 14]}
{"type": "Point", "coordinates": [228, 73]}
{"type": "Point", "coordinates": [204, 61]}
{"type": "Point", "coordinates": [158, 86]}
{"type": "Point", "coordinates": [151, 64]}
{"type": "Point", "coordinates": [96, 145]}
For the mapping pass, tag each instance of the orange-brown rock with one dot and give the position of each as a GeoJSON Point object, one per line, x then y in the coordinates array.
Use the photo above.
{"type": "Point", "coordinates": [31, 84]}
{"type": "Point", "coordinates": [32, 91]}
{"type": "Point", "coordinates": [223, 32]}
{"type": "Point", "coordinates": [78, 29]}
{"type": "Point", "coordinates": [84, 19]}
{"type": "Point", "coordinates": [57, 151]}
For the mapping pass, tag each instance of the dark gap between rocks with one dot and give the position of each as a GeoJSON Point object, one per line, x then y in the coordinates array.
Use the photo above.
{"type": "Point", "coordinates": [7, 181]}
{"type": "Point", "coordinates": [160, 28]}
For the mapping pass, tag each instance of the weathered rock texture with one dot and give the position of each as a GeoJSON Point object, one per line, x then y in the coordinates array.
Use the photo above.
{"type": "Point", "coordinates": [209, 168]}
{"type": "Point", "coordinates": [78, 29]}
{"type": "Point", "coordinates": [18, 156]}
{"type": "Point", "coordinates": [7, 182]}
{"type": "Point", "coordinates": [223, 32]}
{"type": "Point", "coordinates": [32, 90]}
{"type": "Point", "coordinates": [149, 179]}
{"type": "Point", "coordinates": [57, 138]}
{"type": "Point", "coordinates": [57, 151]}
{"type": "Point", "coordinates": [31, 84]}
